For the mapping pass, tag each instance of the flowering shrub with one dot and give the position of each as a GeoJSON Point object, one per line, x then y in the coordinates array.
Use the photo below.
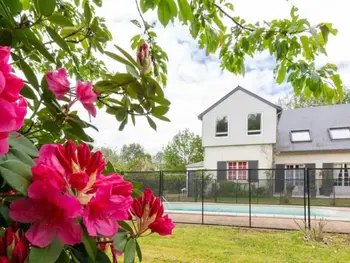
{"type": "Point", "coordinates": [68, 199]}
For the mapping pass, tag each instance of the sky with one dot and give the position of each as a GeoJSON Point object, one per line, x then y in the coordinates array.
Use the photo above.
{"type": "Point", "coordinates": [195, 81]}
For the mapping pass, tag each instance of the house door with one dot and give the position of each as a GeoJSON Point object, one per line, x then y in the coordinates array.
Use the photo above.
{"type": "Point", "coordinates": [341, 179]}
{"type": "Point", "coordinates": [294, 178]}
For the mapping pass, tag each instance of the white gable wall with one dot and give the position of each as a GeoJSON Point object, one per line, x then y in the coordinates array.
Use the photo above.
{"type": "Point", "coordinates": [237, 107]}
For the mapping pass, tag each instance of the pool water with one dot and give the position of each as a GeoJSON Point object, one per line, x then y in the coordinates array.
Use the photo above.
{"type": "Point", "coordinates": [272, 210]}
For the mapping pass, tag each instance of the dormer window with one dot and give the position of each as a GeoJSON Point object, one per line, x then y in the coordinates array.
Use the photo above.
{"type": "Point", "coordinates": [300, 136]}
{"type": "Point", "coordinates": [221, 127]}
{"type": "Point", "coordinates": [340, 133]}
{"type": "Point", "coordinates": [254, 124]}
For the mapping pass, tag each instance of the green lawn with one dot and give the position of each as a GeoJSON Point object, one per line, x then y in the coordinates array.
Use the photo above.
{"type": "Point", "coordinates": [206, 244]}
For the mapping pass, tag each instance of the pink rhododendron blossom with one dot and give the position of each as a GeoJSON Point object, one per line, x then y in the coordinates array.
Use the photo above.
{"type": "Point", "coordinates": [13, 107]}
{"type": "Point", "coordinates": [51, 213]}
{"type": "Point", "coordinates": [119, 185]}
{"type": "Point", "coordinates": [163, 226]}
{"type": "Point", "coordinates": [14, 247]}
{"type": "Point", "coordinates": [103, 210]}
{"type": "Point", "coordinates": [148, 211]}
{"type": "Point", "coordinates": [58, 82]}
{"type": "Point", "coordinates": [87, 96]}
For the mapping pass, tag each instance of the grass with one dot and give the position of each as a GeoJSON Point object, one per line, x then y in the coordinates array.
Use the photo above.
{"type": "Point", "coordinates": [211, 244]}
{"type": "Point", "coordinates": [340, 202]}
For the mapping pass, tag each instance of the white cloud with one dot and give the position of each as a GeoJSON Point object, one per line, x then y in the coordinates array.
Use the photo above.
{"type": "Point", "coordinates": [193, 86]}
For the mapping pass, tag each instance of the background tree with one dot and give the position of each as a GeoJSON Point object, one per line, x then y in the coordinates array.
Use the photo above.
{"type": "Point", "coordinates": [291, 101]}
{"type": "Point", "coordinates": [132, 151]}
{"type": "Point", "coordinates": [185, 148]}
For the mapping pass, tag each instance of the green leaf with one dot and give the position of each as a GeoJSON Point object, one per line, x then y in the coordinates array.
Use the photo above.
{"type": "Point", "coordinates": [15, 154]}
{"type": "Point", "coordinates": [120, 240]}
{"type": "Point", "coordinates": [63, 258]}
{"type": "Point", "coordinates": [47, 254]}
{"type": "Point", "coordinates": [119, 58]}
{"type": "Point", "coordinates": [31, 37]}
{"type": "Point", "coordinates": [90, 246]}
{"type": "Point", "coordinates": [51, 126]}
{"type": "Point", "coordinates": [5, 37]}
{"type": "Point", "coordinates": [18, 167]}
{"type": "Point", "coordinates": [57, 38]}
{"type": "Point", "coordinates": [152, 123]}
{"type": "Point", "coordinates": [305, 43]}
{"type": "Point", "coordinates": [29, 74]}
{"type": "Point", "coordinates": [281, 73]}
{"type": "Point", "coordinates": [120, 114]}
{"type": "Point", "coordinates": [15, 180]}
{"type": "Point", "coordinates": [125, 226]}
{"type": "Point", "coordinates": [138, 251]}
{"type": "Point", "coordinates": [87, 13]}
{"type": "Point", "coordinates": [163, 118]}
{"type": "Point", "coordinates": [164, 12]}
{"type": "Point", "coordinates": [102, 257]}
{"type": "Point", "coordinates": [185, 10]}
{"type": "Point", "coordinates": [4, 211]}
{"type": "Point", "coordinates": [128, 56]}
{"type": "Point", "coordinates": [46, 7]}
{"type": "Point", "coordinates": [28, 92]}
{"type": "Point", "coordinates": [20, 142]}
{"type": "Point", "coordinates": [60, 20]}
{"type": "Point", "coordinates": [325, 33]}
{"type": "Point", "coordinates": [26, 4]}
{"type": "Point", "coordinates": [130, 249]}
{"type": "Point", "coordinates": [14, 6]}
{"type": "Point", "coordinates": [160, 110]}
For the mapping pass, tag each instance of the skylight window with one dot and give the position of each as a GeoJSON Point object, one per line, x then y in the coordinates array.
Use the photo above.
{"type": "Point", "coordinates": [339, 133]}
{"type": "Point", "coordinates": [301, 136]}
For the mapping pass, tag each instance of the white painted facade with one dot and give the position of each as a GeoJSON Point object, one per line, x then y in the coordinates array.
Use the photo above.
{"type": "Point", "coordinates": [237, 107]}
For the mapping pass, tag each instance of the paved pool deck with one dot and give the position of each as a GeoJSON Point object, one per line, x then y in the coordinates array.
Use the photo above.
{"type": "Point", "coordinates": [339, 226]}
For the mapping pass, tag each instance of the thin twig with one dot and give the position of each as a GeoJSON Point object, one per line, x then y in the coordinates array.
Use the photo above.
{"type": "Point", "coordinates": [232, 19]}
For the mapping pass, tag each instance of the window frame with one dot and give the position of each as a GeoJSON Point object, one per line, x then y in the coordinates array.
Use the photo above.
{"type": "Point", "coordinates": [303, 130]}
{"type": "Point", "coordinates": [228, 128]}
{"type": "Point", "coordinates": [236, 171]}
{"type": "Point", "coordinates": [337, 128]}
{"type": "Point", "coordinates": [294, 170]}
{"type": "Point", "coordinates": [261, 125]}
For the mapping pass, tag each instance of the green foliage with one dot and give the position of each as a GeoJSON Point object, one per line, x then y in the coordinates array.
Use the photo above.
{"type": "Point", "coordinates": [185, 148]}
{"type": "Point", "coordinates": [236, 189]}
{"type": "Point", "coordinates": [291, 101]}
{"type": "Point", "coordinates": [48, 254]}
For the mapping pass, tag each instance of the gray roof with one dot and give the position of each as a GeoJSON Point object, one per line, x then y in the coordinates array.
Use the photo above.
{"type": "Point", "coordinates": [196, 165]}
{"type": "Point", "coordinates": [200, 116]}
{"type": "Point", "coordinates": [318, 120]}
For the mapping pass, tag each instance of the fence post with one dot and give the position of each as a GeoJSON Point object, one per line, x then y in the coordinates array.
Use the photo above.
{"type": "Point", "coordinates": [250, 198]}
{"type": "Point", "coordinates": [308, 196]}
{"type": "Point", "coordinates": [202, 196]}
{"type": "Point", "coordinates": [216, 190]}
{"type": "Point", "coordinates": [305, 189]}
{"type": "Point", "coordinates": [161, 184]}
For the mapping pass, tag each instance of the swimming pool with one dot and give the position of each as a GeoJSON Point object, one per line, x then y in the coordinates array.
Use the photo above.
{"type": "Point", "coordinates": [258, 210]}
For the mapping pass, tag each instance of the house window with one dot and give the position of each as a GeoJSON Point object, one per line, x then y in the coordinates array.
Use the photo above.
{"type": "Point", "coordinates": [294, 175]}
{"type": "Point", "coordinates": [301, 136]}
{"type": "Point", "coordinates": [237, 171]}
{"type": "Point", "coordinates": [254, 123]}
{"type": "Point", "coordinates": [339, 133]}
{"type": "Point", "coordinates": [221, 127]}
{"type": "Point", "coordinates": [341, 174]}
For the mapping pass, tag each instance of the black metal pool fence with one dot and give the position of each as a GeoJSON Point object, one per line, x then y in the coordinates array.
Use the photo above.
{"type": "Point", "coordinates": [223, 196]}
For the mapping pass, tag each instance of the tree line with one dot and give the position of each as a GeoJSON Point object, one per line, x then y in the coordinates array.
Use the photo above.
{"type": "Point", "coordinates": [184, 148]}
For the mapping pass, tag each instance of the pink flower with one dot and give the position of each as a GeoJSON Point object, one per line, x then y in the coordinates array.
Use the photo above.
{"type": "Point", "coordinates": [58, 82]}
{"type": "Point", "coordinates": [51, 214]}
{"type": "Point", "coordinates": [163, 226]}
{"type": "Point", "coordinates": [144, 59]}
{"type": "Point", "coordinates": [148, 211]}
{"type": "Point", "coordinates": [119, 185]}
{"type": "Point", "coordinates": [13, 107]}
{"type": "Point", "coordinates": [103, 210]}
{"type": "Point", "coordinates": [87, 96]}
{"type": "Point", "coordinates": [14, 246]}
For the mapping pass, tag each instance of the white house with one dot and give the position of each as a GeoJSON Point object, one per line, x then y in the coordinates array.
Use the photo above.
{"type": "Point", "coordinates": [245, 131]}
